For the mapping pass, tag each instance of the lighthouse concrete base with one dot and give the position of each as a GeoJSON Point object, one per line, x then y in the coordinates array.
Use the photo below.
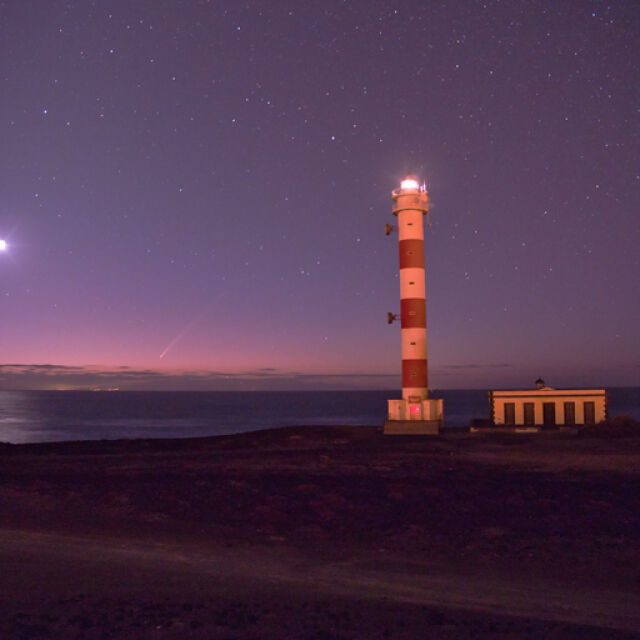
{"type": "Point", "coordinates": [412, 427]}
{"type": "Point", "coordinates": [414, 416]}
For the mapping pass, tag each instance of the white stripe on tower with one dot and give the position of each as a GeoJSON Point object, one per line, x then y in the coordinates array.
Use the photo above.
{"type": "Point", "coordinates": [410, 203]}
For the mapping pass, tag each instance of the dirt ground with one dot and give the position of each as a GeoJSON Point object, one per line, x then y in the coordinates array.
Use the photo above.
{"type": "Point", "coordinates": [322, 532]}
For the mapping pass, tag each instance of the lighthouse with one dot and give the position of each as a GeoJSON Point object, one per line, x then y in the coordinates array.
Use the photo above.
{"type": "Point", "coordinates": [415, 413]}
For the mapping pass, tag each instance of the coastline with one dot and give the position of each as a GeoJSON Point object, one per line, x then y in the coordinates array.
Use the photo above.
{"type": "Point", "coordinates": [50, 416]}
{"type": "Point", "coordinates": [322, 530]}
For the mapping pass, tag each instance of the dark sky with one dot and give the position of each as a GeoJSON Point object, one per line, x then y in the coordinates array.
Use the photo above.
{"type": "Point", "coordinates": [209, 182]}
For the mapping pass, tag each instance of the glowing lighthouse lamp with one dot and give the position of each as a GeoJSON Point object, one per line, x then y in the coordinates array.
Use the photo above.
{"type": "Point", "coordinates": [415, 413]}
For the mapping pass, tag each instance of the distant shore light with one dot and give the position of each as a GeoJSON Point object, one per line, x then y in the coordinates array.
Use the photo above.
{"type": "Point", "coordinates": [409, 183]}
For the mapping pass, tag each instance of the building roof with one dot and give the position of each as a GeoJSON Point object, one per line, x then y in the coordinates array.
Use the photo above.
{"type": "Point", "coordinates": [548, 392]}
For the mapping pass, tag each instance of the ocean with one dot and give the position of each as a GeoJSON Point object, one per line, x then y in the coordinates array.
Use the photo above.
{"type": "Point", "coordinates": [46, 416]}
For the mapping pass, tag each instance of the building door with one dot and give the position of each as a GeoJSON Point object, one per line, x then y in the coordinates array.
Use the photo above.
{"type": "Point", "coordinates": [569, 412]}
{"type": "Point", "coordinates": [509, 413]}
{"type": "Point", "coordinates": [549, 414]}
{"type": "Point", "coordinates": [589, 412]}
{"type": "Point", "coordinates": [529, 413]}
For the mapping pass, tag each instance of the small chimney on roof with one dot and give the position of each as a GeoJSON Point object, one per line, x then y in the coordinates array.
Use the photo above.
{"type": "Point", "coordinates": [540, 383]}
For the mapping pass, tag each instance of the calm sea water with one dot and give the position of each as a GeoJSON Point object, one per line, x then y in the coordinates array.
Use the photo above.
{"type": "Point", "coordinates": [44, 416]}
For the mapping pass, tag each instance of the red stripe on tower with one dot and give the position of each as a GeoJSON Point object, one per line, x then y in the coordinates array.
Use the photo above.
{"type": "Point", "coordinates": [413, 313]}
{"type": "Point", "coordinates": [411, 253]}
{"type": "Point", "coordinates": [414, 374]}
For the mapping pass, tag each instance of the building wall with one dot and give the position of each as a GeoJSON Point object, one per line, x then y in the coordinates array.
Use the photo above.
{"type": "Point", "coordinates": [558, 397]}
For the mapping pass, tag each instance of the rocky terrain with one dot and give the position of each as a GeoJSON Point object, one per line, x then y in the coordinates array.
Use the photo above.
{"type": "Point", "coordinates": [323, 532]}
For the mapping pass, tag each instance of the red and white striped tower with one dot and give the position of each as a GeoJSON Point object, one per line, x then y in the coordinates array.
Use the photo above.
{"type": "Point", "coordinates": [416, 412]}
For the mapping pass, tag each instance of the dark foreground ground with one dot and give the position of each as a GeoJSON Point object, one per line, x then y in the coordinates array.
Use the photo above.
{"type": "Point", "coordinates": [332, 532]}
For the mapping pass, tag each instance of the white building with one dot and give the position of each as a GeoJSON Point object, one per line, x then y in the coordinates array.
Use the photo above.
{"type": "Point", "coordinates": [547, 406]}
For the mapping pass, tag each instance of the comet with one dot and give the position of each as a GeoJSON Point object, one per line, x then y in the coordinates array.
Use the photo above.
{"type": "Point", "coordinates": [182, 334]}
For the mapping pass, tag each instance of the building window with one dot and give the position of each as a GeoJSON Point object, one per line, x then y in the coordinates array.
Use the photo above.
{"type": "Point", "coordinates": [569, 412]}
{"type": "Point", "coordinates": [589, 412]}
{"type": "Point", "coordinates": [411, 282]}
{"type": "Point", "coordinates": [413, 344]}
{"type": "Point", "coordinates": [529, 413]}
{"type": "Point", "coordinates": [510, 413]}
